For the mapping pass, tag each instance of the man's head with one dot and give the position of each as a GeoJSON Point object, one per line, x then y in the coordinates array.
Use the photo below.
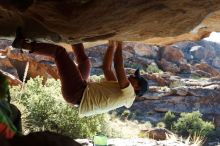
{"type": "Point", "coordinates": [139, 84]}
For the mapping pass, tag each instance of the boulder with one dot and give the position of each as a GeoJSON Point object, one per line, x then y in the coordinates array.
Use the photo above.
{"type": "Point", "coordinates": [207, 68]}
{"type": "Point", "coordinates": [153, 96]}
{"type": "Point", "coordinates": [157, 78]}
{"type": "Point", "coordinates": [161, 110]}
{"type": "Point", "coordinates": [217, 121]}
{"type": "Point", "coordinates": [185, 68]}
{"type": "Point", "coordinates": [215, 79]}
{"type": "Point", "coordinates": [182, 91]}
{"type": "Point", "coordinates": [197, 52]}
{"type": "Point", "coordinates": [200, 73]}
{"type": "Point", "coordinates": [168, 66]}
{"type": "Point", "coordinates": [12, 80]}
{"type": "Point", "coordinates": [202, 95]}
{"type": "Point", "coordinates": [216, 62]}
{"type": "Point", "coordinates": [4, 44]}
{"type": "Point", "coordinates": [157, 133]}
{"type": "Point", "coordinates": [96, 62]}
{"type": "Point", "coordinates": [42, 68]}
{"type": "Point", "coordinates": [171, 54]}
{"type": "Point", "coordinates": [145, 50]}
{"type": "Point", "coordinates": [6, 66]}
{"type": "Point", "coordinates": [204, 92]}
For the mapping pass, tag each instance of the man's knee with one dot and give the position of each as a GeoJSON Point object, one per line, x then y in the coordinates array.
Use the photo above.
{"type": "Point", "coordinates": [72, 98]}
{"type": "Point", "coordinates": [78, 46]}
{"type": "Point", "coordinates": [60, 53]}
{"type": "Point", "coordinates": [85, 62]}
{"type": "Point", "coordinates": [60, 50]}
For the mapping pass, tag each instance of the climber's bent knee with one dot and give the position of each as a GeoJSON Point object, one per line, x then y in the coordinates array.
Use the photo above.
{"type": "Point", "coordinates": [74, 98]}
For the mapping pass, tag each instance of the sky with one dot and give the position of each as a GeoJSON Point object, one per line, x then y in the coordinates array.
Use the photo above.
{"type": "Point", "coordinates": [214, 37]}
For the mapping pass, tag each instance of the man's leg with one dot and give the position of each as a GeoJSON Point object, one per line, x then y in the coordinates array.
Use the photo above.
{"type": "Point", "coordinates": [107, 62]}
{"type": "Point", "coordinates": [82, 59]}
{"type": "Point", "coordinates": [71, 79]}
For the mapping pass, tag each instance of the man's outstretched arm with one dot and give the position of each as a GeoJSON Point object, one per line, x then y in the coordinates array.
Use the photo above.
{"type": "Point", "coordinates": [107, 62]}
{"type": "Point", "coordinates": [119, 67]}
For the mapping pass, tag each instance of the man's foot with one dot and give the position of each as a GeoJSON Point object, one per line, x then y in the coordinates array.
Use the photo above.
{"type": "Point", "coordinates": [21, 43]}
{"type": "Point", "coordinates": [19, 39]}
{"type": "Point", "coordinates": [118, 44]}
{"type": "Point", "coordinates": [112, 43]}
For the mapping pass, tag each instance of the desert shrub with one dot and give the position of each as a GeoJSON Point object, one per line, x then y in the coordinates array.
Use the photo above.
{"type": "Point", "coordinates": [153, 69]}
{"type": "Point", "coordinates": [132, 65]}
{"type": "Point", "coordinates": [125, 114]}
{"type": "Point", "coordinates": [45, 109]}
{"type": "Point", "coordinates": [112, 130]}
{"type": "Point", "coordinates": [161, 125]}
{"type": "Point", "coordinates": [195, 77]}
{"type": "Point", "coordinates": [142, 71]}
{"type": "Point", "coordinates": [169, 118]}
{"type": "Point", "coordinates": [95, 78]}
{"type": "Point", "coordinates": [177, 83]}
{"type": "Point", "coordinates": [148, 125]}
{"type": "Point", "coordinates": [192, 123]}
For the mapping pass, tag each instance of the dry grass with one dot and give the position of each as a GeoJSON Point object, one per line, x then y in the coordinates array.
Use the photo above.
{"type": "Point", "coordinates": [195, 140]}
{"type": "Point", "coordinates": [125, 129]}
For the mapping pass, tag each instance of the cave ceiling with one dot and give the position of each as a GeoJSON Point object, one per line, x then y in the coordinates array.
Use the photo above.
{"type": "Point", "coordinates": [72, 21]}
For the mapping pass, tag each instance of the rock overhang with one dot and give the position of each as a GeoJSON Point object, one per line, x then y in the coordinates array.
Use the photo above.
{"type": "Point", "coordinates": [71, 21]}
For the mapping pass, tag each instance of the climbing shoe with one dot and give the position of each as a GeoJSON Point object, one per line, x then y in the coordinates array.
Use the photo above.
{"type": "Point", "coordinates": [19, 38]}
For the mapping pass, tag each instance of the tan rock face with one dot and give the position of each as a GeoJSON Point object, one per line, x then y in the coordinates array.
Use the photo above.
{"type": "Point", "coordinates": [207, 68]}
{"type": "Point", "coordinates": [74, 20]}
{"type": "Point", "coordinates": [172, 54]}
{"type": "Point", "coordinates": [158, 133]}
{"type": "Point", "coordinates": [41, 68]}
{"type": "Point", "coordinates": [168, 66]}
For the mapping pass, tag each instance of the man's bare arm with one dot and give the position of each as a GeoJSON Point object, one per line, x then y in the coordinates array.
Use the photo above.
{"type": "Point", "coordinates": [119, 67]}
{"type": "Point", "coordinates": [107, 62]}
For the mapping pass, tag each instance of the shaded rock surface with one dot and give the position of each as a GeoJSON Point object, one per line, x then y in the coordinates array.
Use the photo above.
{"type": "Point", "coordinates": [44, 139]}
{"type": "Point", "coordinates": [38, 65]}
{"type": "Point", "coordinates": [12, 80]}
{"type": "Point", "coordinates": [158, 133]}
{"type": "Point", "coordinates": [89, 20]}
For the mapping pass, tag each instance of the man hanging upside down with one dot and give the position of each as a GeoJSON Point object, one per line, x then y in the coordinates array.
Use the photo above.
{"type": "Point", "coordinates": [92, 97]}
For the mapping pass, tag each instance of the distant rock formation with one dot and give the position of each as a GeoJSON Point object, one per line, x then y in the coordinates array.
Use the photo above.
{"type": "Point", "coordinates": [187, 79]}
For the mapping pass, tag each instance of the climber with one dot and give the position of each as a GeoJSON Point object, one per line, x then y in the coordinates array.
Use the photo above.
{"type": "Point", "coordinates": [91, 97]}
{"type": "Point", "coordinates": [10, 116]}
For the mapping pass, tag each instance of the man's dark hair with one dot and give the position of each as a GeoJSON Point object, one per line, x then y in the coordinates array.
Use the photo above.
{"type": "Point", "coordinates": [144, 87]}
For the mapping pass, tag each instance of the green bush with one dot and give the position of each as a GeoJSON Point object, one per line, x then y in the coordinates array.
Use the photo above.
{"type": "Point", "coordinates": [169, 119]}
{"type": "Point", "coordinates": [148, 125]}
{"type": "Point", "coordinates": [45, 109]}
{"type": "Point", "coordinates": [153, 69]}
{"type": "Point", "coordinates": [191, 124]}
{"type": "Point", "coordinates": [160, 125]}
{"type": "Point", "coordinates": [125, 114]}
{"type": "Point", "coordinates": [177, 83]}
{"type": "Point", "coordinates": [196, 77]}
